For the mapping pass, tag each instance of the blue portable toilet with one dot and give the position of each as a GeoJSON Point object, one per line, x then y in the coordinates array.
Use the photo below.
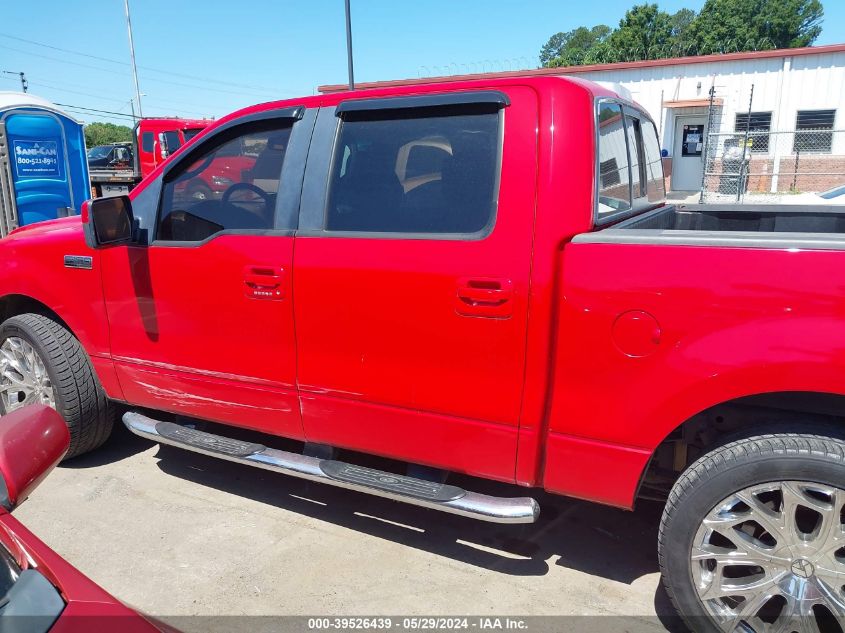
{"type": "Point", "coordinates": [43, 166]}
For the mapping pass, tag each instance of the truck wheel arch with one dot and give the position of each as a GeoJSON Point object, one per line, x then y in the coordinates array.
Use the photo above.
{"type": "Point", "coordinates": [739, 418]}
{"type": "Point", "coordinates": [16, 304]}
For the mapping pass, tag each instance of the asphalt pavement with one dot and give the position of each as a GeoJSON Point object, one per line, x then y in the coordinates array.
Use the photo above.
{"type": "Point", "coordinates": [176, 534]}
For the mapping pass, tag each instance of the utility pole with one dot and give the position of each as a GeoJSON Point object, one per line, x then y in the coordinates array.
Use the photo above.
{"type": "Point", "coordinates": [349, 46]}
{"type": "Point", "coordinates": [132, 55]}
{"type": "Point", "coordinates": [24, 82]}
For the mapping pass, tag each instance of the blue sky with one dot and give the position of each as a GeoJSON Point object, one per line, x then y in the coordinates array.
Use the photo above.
{"type": "Point", "coordinates": [211, 57]}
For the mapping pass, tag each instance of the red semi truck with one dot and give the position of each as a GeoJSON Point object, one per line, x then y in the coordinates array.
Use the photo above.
{"type": "Point", "coordinates": [153, 140]}
{"type": "Point", "coordinates": [481, 278]}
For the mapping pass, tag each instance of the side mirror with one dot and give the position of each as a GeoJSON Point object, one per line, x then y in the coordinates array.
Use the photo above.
{"type": "Point", "coordinates": [162, 143]}
{"type": "Point", "coordinates": [32, 441]}
{"type": "Point", "coordinates": [109, 221]}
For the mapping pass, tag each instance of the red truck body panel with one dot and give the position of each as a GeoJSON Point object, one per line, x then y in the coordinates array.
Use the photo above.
{"type": "Point", "coordinates": [32, 268]}
{"type": "Point", "coordinates": [379, 322]}
{"type": "Point", "coordinates": [168, 307]}
{"type": "Point", "coordinates": [727, 330]}
{"type": "Point", "coordinates": [370, 347]}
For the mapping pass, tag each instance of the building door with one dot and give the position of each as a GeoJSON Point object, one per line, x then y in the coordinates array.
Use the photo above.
{"type": "Point", "coordinates": [688, 156]}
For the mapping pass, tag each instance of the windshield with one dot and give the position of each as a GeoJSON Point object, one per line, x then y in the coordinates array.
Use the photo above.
{"type": "Point", "coordinates": [101, 151]}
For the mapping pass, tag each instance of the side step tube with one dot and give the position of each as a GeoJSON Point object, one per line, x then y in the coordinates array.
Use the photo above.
{"type": "Point", "coordinates": [375, 482]}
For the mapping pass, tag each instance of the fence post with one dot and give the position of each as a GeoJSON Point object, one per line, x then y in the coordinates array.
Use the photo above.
{"type": "Point", "coordinates": [706, 148]}
{"type": "Point", "coordinates": [742, 170]}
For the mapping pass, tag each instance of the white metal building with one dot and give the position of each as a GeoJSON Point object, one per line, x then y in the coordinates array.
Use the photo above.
{"type": "Point", "coordinates": [793, 90]}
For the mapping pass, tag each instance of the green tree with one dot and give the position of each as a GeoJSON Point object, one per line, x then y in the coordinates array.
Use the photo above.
{"type": "Point", "coordinates": [105, 133]}
{"type": "Point", "coordinates": [571, 48]}
{"type": "Point", "coordinates": [682, 40]}
{"type": "Point", "coordinates": [644, 33]}
{"type": "Point", "coordinates": [741, 25]}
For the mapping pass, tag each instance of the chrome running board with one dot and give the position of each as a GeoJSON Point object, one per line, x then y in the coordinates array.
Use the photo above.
{"type": "Point", "coordinates": [375, 482]}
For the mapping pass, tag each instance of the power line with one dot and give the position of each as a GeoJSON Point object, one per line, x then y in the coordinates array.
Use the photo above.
{"type": "Point", "coordinates": [101, 112]}
{"type": "Point", "coordinates": [77, 92]}
{"type": "Point", "coordinates": [64, 61]}
{"type": "Point", "coordinates": [51, 83]}
{"type": "Point", "coordinates": [123, 74]}
{"type": "Point", "coordinates": [114, 61]}
{"type": "Point", "coordinates": [21, 75]}
{"type": "Point", "coordinates": [98, 112]}
{"type": "Point", "coordinates": [173, 105]}
{"type": "Point", "coordinates": [99, 116]}
{"type": "Point", "coordinates": [112, 112]}
{"type": "Point", "coordinates": [221, 90]}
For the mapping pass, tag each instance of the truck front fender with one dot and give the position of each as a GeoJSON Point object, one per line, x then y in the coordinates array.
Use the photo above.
{"type": "Point", "coordinates": [49, 264]}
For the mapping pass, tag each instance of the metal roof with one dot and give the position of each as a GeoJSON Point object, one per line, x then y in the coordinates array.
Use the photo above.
{"type": "Point", "coordinates": [573, 70]}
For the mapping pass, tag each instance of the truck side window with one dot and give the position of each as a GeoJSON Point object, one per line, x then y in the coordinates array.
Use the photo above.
{"type": "Point", "coordinates": [635, 155]}
{"type": "Point", "coordinates": [147, 142]}
{"type": "Point", "coordinates": [656, 188]}
{"type": "Point", "coordinates": [614, 193]}
{"type": "Point", "coordinates": [231, 185]}
{"type": "Point", "coordinates": [420, 172]}
{"type": "Point", "coordinates": [172, 139]}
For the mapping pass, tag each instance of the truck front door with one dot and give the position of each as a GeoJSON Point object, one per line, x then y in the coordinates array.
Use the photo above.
{"type": "Point", "coordinates": [411, 277]}
{"type": "Point", "coordinates": [201, 318]}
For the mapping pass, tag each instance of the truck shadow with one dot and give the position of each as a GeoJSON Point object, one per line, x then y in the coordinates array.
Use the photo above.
{"type": "Point", "coordinates": [578, 535]}
{"type": "Point", "coordinates": [120, 445]}
{"type": "Point", "coordinates": [593, 539]}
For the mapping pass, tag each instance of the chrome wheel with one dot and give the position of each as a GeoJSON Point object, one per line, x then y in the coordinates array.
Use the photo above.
{"type": "Point", "coordinates": [771, 558]}
{"type": "Point", "coordinates": [23, 377]}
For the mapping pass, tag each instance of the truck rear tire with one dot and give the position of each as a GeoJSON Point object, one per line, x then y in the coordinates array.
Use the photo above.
{"type": "Point", "coordinates": [42, 362]}
{"type": "Point", "coordinates": [753, 536]}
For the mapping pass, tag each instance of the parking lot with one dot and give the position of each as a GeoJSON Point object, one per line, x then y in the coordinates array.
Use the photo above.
{"type": "Point", "coordinates": [179, 534]}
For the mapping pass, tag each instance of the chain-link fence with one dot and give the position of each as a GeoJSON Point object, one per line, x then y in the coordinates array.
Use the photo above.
{"type": "Point", "coordinates": [772, 166]}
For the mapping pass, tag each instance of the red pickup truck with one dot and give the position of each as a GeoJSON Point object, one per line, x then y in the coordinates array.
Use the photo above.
{"type": "Point", "coordinates": [479, 278]}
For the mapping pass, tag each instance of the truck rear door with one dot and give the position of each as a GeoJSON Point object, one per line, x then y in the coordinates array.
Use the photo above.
{"type": "Point", "coordinates": [411, 276]}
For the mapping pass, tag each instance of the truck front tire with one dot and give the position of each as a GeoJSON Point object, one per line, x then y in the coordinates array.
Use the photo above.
{"type": "Point", "coordinates": [42, 362]}
{"type": "Point", "coordinates": [753, 536]}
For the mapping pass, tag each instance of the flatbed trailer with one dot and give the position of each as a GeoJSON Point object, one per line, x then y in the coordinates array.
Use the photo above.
{"type": "Point", "coordinates": [113, 182]}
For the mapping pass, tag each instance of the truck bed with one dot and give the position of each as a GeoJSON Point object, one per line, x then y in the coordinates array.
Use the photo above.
{"type": "Point", "coordinates": [737, 217]}
{"type": "Point", "coordinates": [775, 226]}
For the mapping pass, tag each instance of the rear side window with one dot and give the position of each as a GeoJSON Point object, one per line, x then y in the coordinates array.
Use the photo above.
{"type": "Point", "coordinates": [614, 191]}
{"type": "Point", "coordinates": [189, 134]}
{"type": "Point", "coordinates": [635, 156]}
{"type": "Point", "coordinates": [172, 140]}
{"type": "Point", "coordinates": [654, 163]}
{"type": "Point", "coordinates": [426, 171]}
{"type": "Point", "coordinates": [147, 142]}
